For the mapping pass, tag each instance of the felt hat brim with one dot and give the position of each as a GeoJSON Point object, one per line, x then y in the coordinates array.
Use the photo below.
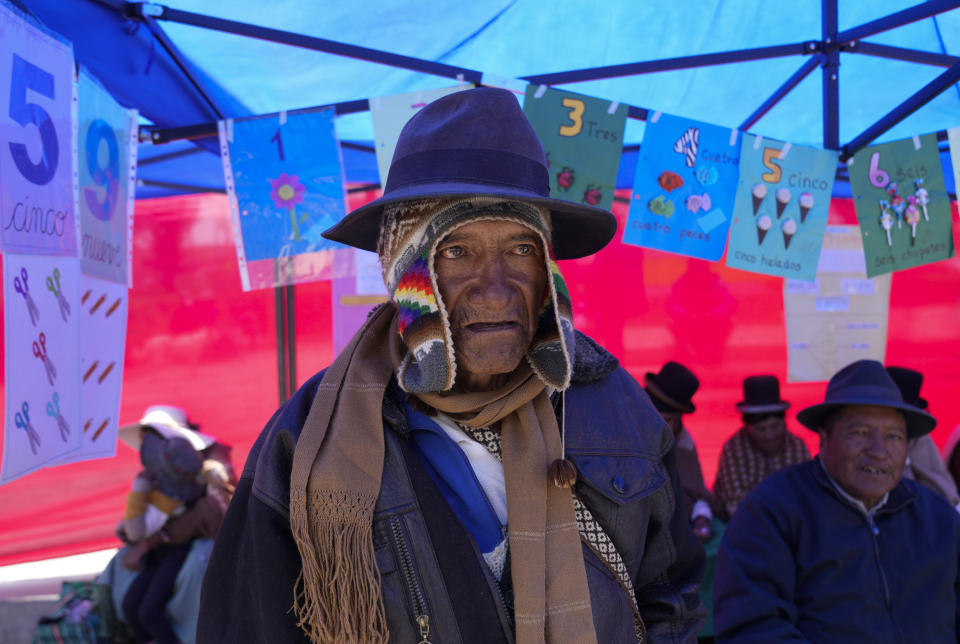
{"type": "Point", "coordinates": [131, 436]}
{"type": "Point", "coordinates": [768, 408]}
{"type": "Point", "coordinates": [919, 422]}
{"type": "Point", "coordinates": [578, 229]}
{"type": "Point", "coordinates": [650, 383]}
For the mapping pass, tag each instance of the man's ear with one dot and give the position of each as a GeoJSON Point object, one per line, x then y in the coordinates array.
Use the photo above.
{"type": "Point", "coordinates": [822, 433]}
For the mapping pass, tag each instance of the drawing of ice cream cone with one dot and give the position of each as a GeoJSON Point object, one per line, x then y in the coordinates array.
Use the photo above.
{"type": "Point", "coordinates": [806, 203]}
{"type": "Point", "coordinates": [763, 225]}
{"type": "Point", "coordinates": [759, 191]}
{"type": "Point", "coordinates": [912, 215]}
{"type": "Point", "coordinates": [783, 198]}
{"type": "Point", "coordinates": [789, 229]}
{"type": "Point", "coordinates": [923, 197]}
{"type": "Point", "coordinates": [886, 220]}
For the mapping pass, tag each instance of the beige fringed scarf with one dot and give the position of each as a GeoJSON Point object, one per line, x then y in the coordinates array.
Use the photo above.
{"type": "Point", "coordinates": [337, 468]}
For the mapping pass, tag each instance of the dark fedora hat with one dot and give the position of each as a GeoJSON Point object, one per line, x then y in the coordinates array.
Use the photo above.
{"type": "Point", "coordinates": [866, 382]}
{"type": "Point", "coordinates": [761, 395]}
{"type": "Point", "coordinates": [909, 382]}
{"type": "Point", "coordinates": [674, 386]}
{"type": "Point", "coordinates": [469, 143]}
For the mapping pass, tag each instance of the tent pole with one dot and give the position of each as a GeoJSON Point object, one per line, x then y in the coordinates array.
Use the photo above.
{"type": "Point", "coordinates": [281, 351]}
{"type": "Point", "coordinates": [831, 72]}
{"type": "Point", "coordinates": [291, 340]}
{"type": "Point", "coordinates": [898, 19]}
{"type": "Point", "coordinates": [782, 91]}
{"type": "Point", "coordinates": [316, 44]}
{"type": "Point", "coordinates": [669, 64]}
{"type": "Point", "coordinates": [902, 53]}
{"type": "Point", "coordinates": [923, 96]}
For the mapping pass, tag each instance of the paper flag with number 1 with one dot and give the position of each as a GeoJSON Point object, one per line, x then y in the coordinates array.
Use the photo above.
{"type": "Point", "coordinates": [902, 204]}
{"type": "Point", "coordinates": [783, 198]}
{"type": "Point", "coordinates": [684, 187]}
{"type": "Point", "coordinates": [582, 138]}
{"type": "Point", "coordinates": [284, 179]}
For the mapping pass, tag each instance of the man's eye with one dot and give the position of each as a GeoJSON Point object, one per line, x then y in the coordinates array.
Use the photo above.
{"type": "Point", "coordinates": [451, 252]}
{"type": "Point", "coordinates": [524, 249]}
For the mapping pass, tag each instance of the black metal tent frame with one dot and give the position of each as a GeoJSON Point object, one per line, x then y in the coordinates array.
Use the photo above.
{"type": "Point", "coordinates": [823, 53]}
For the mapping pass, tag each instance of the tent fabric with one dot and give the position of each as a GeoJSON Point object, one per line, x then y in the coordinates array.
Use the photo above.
{"type": "Point", "coordinates": [196, 340]}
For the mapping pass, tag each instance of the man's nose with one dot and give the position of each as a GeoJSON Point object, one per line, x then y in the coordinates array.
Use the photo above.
{"type": "Point", "coordinates": [492, 286]}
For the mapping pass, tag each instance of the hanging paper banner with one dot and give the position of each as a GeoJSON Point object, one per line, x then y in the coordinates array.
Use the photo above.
{"type": "Point", "coordinates": [106, 165]}
{"type": "Point", "coordinates": [391, 113]}
{"type": "Point", "coordinates": [781, 209]}
{"type": "Point", "coordinates": [953, 138]}
{"type": "Point", "coordinates": [684, 188]}
{"type": "Point", "coordinates": [838, 318]}
{"type": "Point", "coordinates": [582, 138]}
{"type": "Point", "coordinates": [902, 204]}
{"type": "Point", "coordinates": [353, 295]}
{"type": "Point", "coordinates": [284, 179]}
{"type": "Point", "coordinates": [41, 354]}
{"type": "Point", "coordinates": [37, 93]}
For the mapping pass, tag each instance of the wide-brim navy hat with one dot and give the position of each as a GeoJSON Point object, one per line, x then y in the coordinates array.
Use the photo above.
{"type": "Point", "coordinates": [866, 382]}
{"type": "Point", "coordinates": [469, 143]}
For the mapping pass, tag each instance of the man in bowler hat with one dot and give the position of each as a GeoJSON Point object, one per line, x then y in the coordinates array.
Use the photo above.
{"type": "Point", "coordinates": [760, 447]}
{"type": "Point", "coordinates": [842, 548]}
{"type": "Point", "coordinates": [470, 468]}
{"type": "Point", "coordinates": [671, 390]}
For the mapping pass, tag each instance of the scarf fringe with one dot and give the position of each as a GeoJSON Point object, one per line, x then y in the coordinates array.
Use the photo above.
{"type": "Point", "coordinates": [337, 594]}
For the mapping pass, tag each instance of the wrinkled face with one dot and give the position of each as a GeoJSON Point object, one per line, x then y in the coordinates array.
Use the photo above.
{"type": "Point", "coordinates": [768, 434]}
{"type": "Point", "coordinates": [674, 419]}
{"type": "Point", "coordinates": [865, 451]}
{"type": "Point", "coordinates": [492, 278]}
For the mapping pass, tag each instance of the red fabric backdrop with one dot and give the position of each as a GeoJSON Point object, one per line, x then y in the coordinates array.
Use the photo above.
{"type": "Point", "coordinates": [196, 340]}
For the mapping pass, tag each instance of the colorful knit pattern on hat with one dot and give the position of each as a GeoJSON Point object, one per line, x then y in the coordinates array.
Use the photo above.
{"type": "Point", "coordinates": [408, 240]}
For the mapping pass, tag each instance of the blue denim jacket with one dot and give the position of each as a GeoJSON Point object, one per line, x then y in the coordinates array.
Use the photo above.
{"type": "Point", "coordinates": [627, 477]}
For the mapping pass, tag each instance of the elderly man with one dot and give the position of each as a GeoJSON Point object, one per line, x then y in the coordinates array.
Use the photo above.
{"type": "Point", "coordinates": [419, 489]}
{"type": "Point", "coordinates": [842, 548]}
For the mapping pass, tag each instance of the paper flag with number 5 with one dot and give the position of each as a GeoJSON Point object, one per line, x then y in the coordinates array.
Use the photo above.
{"type": "Point", "coordinates": [783, 198]}
{"type": "Point", "coordinates": [36, 139]}
{"type": "Point", "coordinates": [684, 187]}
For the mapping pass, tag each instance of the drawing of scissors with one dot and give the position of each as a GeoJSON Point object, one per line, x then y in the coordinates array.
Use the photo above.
{"type": "Point", "coordinates": [23, 289]}
{"type": "Point", "coordinates": [40, 351]}
{"type": "Point", "coordinates": [23, 422]}
{"type": "Point", "coordinates": [53, 411]}
{"type": "Point", "coordinates": [55, 289]}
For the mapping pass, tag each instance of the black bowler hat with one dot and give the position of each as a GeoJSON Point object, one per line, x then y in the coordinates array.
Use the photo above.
{"type": "Point", "coordinates": [866, 382]}
{"type": "Point", "coordinates": [909, 382]}
{"type": "Point", "coordinates": [674, 385]}
{"type": "Point", "coordinates": [476, 142]}
{"type": "Point", "coordinates": [761, 395]}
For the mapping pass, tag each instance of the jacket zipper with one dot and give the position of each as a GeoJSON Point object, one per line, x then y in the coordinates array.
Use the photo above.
{"type": "Point", "coordinates": [883, 574]}
{"type": "Point", "coordinates": [414, 590]}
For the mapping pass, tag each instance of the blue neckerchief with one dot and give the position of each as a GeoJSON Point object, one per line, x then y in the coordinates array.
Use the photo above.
{"type": "Point", "coordinates": [450, 469]}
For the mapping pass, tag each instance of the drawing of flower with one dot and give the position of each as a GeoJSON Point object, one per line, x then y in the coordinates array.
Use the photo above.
{"type": "Point", "coordinates": [286, 192]}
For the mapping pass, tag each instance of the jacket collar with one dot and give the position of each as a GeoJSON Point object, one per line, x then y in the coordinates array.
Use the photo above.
{"type": "Point", "coordinates": [897, 499]}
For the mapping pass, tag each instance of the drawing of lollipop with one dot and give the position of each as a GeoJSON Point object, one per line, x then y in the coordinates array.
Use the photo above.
{"type": "Point", "coordinates": [886, 220]}
{"type": "Point", "coordinates": [923, 197]}
{"type": "Point", "coordinates": [287, 192]}
{"type": "Point", "coordinates": [912, 215]}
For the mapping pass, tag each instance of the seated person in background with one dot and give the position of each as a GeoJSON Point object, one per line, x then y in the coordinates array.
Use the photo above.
{"type": "Point", "coordinates": [924, 464]}
{"type": "Point", "coordinates": [671, 392]}
{"type": "Point", "coordinates": [761, 447]}
{"type": "Point", "coordinates": [170, 480]}
{"type": "Point", "coordinates": [842, 548]}
{"type": "Point", "coordinates": [194, 528]}
{"type": "Point", "coordinates": [951, 455]}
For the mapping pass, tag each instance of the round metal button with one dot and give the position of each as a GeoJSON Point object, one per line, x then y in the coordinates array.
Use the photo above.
{"type": "Point", "coordinates": [619, 484]}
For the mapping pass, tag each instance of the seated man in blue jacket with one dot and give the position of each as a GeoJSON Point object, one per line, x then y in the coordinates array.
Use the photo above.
{"type": "Point", "coordinates": [842, 548]}
{"type": "Point", "coordinates": [469, 469]}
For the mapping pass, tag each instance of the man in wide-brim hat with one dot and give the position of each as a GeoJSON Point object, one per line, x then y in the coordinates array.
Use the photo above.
{"type": "Point", "coordinates": [842, 548]}
{"type": "Point", "coordinates": [469, 469]}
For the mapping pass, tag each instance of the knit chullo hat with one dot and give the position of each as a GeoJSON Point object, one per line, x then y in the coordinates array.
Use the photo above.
{"type": "Point", "coordinates": [407, 245]}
